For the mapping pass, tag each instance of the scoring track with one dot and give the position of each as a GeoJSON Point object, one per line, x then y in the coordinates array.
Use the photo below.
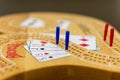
{"type": "Point", "coordinates": [80, 56]}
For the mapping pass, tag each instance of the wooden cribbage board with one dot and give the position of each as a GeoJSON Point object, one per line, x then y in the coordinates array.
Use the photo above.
{"type": "Point", "coordinates": [82, 65]}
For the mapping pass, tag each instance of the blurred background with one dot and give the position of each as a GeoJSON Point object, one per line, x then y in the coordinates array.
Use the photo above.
{"type": "Point", "coordinates": [107, 10]}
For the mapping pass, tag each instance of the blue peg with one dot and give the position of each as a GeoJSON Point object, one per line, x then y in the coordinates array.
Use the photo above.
{"type": "Point", "coordinates": [57, 34]}
{"type": "Point", "coordinates": [67, 40]}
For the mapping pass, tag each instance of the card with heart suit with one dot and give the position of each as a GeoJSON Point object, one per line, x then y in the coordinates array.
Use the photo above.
{"type": "Point", "coordinates": [88, 42]}
{"type": "Point", "coordinates": [45, 51]}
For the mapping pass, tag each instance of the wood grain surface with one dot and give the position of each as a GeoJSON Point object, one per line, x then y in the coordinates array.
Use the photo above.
{"type": "Point", "coordinates": [82, 65]}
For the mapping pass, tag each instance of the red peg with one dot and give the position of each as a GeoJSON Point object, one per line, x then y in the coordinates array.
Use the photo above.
{"type": "Point", "coordinates": [105, 31]}
{"type": "Point", "coordinates": [111, 36]}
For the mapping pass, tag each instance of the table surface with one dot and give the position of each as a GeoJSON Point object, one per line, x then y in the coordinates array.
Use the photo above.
{"type": "Point", "coordinates": [107, 10]}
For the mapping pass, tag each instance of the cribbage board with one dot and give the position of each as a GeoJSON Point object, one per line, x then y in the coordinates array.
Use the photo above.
{"type": "Point", "coordinates": [83, 64]}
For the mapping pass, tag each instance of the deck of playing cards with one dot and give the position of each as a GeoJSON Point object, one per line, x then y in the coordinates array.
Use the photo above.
{"type": "Point", "coordinates": [45, 51]}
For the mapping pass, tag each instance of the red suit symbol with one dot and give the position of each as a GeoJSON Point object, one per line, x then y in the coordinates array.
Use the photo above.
{"type": "Point", "coordinates": [84, 39]}
{"type": "Point", "coordinates": [43, 43]}
{"type": "Point", "coordinates": [84, 45]}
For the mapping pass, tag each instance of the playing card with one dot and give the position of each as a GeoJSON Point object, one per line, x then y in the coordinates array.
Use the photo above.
{"type": "Point", "coordinates": [88, 42]}
{"type": "Point", "coordinates": [44, 51]}
{"type": "Point", "coordinates": [27, 46]}
{"type": "Point", "coordinates": [37, 45]}
{"type": "Point", "coordinates": [49, 55]}
{"type": "Point", "coordinates": [33, 22]}
{"type": "Point", "coordinates": [97, 48]}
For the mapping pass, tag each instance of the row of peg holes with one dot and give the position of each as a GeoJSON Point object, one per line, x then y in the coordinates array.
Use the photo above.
{"type": "Point", "coordinates": [9, 69]}
{"type": "Point", "coordinates": [74, 48]}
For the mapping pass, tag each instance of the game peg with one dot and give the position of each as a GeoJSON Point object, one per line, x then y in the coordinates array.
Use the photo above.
{"type": "Point", "coordinates": [111, 36]}
{"type": "Point", "coordinates": [67, 40]}
{"type": "Point", "coordinates": [57, 34]}
{"type": "Point", "coordinates": [105, 31]}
